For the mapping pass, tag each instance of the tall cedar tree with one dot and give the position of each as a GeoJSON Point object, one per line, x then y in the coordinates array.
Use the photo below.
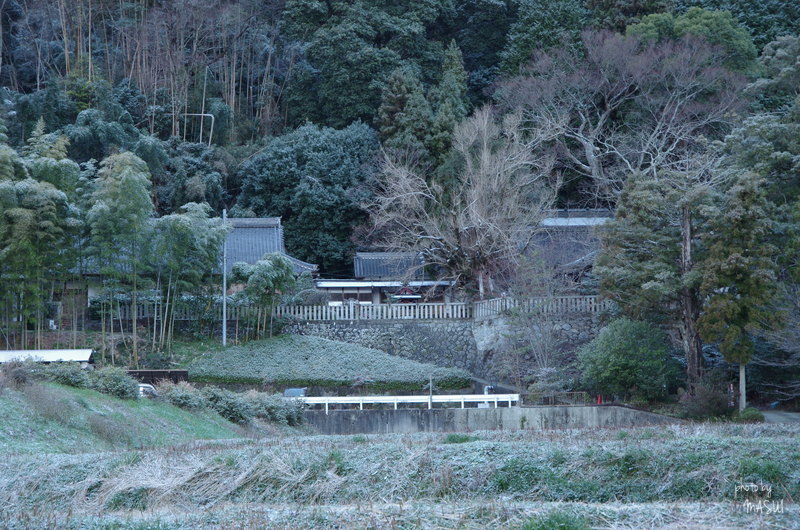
{"type": "Point", "coordinates": [648, 263]}
{"type": "Point", "coordinates": [405, 118]}
{"type": "Point", "coordinates": [452, 105]}
{"type": "Point", "coordinates": [739, 275]}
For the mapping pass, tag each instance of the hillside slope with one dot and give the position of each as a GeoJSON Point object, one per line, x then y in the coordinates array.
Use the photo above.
{"type": "Point", "coordinates": [54, 418]}
{"type": "Point", "coordinates": [295, 360]}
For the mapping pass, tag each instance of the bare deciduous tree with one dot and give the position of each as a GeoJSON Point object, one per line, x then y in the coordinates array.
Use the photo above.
{"type": "Point", "coordinates": [474, 227]}
{"type": "Point", "coordinates": [787, 339]}
{"type": "Point", "coordinates": [534, 358]}
{"type": "Point", "coordinates": [625, 107]}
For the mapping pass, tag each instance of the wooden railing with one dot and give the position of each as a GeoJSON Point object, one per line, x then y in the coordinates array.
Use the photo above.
{"type": "Point", "coordinates": [481, 310]}
{"type": "Point", "coordinates": [556, 304]}
{"type": "Point", "coordinates": [458, 311]}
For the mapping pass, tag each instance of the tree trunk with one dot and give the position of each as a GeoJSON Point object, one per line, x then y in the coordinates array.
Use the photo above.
{"type": "Point", "coordinates": [742, 388]}
{"type": "Point", "coordinates": [692, 345]}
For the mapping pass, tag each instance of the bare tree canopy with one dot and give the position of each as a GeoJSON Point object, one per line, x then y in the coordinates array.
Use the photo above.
{"type": "Point", "coordinates": [622, 106]}
{"type": "Point", "coordinates": [476, 225]}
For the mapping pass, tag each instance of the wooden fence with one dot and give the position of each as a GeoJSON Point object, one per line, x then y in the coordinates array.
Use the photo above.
{"type": "Point", "coordinates": [557, 304]}
{"type": "Point", "coordinates": [481, 310]}
{"type": "Point", "coordinates": [457, 311]}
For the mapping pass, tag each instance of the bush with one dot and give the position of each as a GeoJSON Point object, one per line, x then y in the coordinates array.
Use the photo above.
{"type": "Point", "coordinates": [709, 401]}
{"type": "Point", "coordinates": [749, 415]}
{"type": "Point", "coordinates": [15, 374]}
{"type": "Point", "coordinates": [276, 409]}
{"type": "Point", "coordinates": [182, 395]}
{"type": "Point", "coordinates": [230, 405]}
{"type": "Point", "coordinates": [628, 358]}
{"type": "Point", "coordinates": [455, 438]}
{"type": "Point", "coordinates": [115, 382]}
{"type": "Point", "coordinates": [69, 374]}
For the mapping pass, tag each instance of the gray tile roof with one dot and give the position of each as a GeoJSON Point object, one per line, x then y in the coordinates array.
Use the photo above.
{"type": "Point", "coordinates": [250, 238]}
{"type": "Point", "coordinates": [388, 265]}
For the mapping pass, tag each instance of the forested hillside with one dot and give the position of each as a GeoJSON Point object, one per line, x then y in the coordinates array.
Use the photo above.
{"type": "Point", "coordinates": [441, 126]}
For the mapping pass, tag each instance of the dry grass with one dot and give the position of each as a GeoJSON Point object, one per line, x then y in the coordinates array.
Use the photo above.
{"type": "Point", "coordinates": [50, 403]}
{"type": "Point", "coordinates": [678, 473]}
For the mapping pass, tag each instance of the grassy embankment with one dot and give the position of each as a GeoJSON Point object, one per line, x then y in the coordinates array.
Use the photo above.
{"type": "Point", "coordinates": [47, 418]}
{"type": "Point", "coordinates": [644, 477]}
{"type": "Point", "coordinates": [298, 361]}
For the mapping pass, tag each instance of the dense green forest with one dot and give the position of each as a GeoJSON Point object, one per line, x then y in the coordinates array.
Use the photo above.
{"type": "Point", "coordinates": [447, 127]}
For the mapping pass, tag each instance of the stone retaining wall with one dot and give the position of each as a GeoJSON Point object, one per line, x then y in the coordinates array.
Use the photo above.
{"type": "Point", "coordinates": [474, 346]}
{"type": "Point", "coordinates": [441, 342]}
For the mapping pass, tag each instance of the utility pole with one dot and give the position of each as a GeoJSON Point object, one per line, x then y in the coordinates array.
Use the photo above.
{"type": "Point", "coordinates": [225, 282]}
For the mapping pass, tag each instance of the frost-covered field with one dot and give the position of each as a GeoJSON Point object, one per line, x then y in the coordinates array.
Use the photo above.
{"type": "Point", "coordinates": [646, 477]}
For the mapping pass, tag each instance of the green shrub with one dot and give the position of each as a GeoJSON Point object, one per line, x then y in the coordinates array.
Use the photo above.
{"type": "Point", "coordinates": [182, 395]}
{"type": "Point", "coordinates": [557, 521]}
{"type": "Point", "coordinates": [766, 469]}
{"type": "Point", "coordinates": [455, 438]}
{"type": "Point", "coordinates": [69, 374]}
{"type": "Point", "coordinates": [517, 475]}
{"type": "Point", "coordinates": [115, 382]}
{"type": "Point", "coordinates": [275, 408]}
{"type": "Point", "coordinates": [749, 415]}
{"type": "Point", "coordinates": [230, 405]}
{"type": "Point", "coordinates": [627, 358]}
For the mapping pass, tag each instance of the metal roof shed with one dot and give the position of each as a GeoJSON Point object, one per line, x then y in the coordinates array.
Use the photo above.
{"type": "Point", "coordinates": [46, 356]}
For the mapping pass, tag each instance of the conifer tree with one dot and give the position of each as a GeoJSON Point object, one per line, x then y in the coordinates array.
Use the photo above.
{"type": "Point", "coordinates": [451, 102]}
{"type": "Point", "coordinates": [405, 117]}
{"type": "Point", "coordinates": [739, 275]}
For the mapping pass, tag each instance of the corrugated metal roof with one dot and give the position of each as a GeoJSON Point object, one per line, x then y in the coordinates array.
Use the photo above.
{"type": "Point", "coordinates": [48, 356]}
{"type": "Point", "coordinates": [388, 265]}
{"type": "Point", "coordinates": [250, 238]}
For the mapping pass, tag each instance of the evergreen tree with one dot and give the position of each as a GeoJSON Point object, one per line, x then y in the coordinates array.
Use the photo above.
{"type": "Point", "coordinates": [716, 27]}
{"type": "Point", "coordinates": [317, 180]}
{"type": "Point", "coordinates": [46, 160]}
{"type": "Point", "coordinates": [404, 117]}
{"type": "Point", "coordinates": [738, 275]}
{"type": "Point", "coordinates": [650, 255]}
{"type": "Point", "coordinates": [451, 101]}
{"type": "Point", "coordinates": [542, 24]}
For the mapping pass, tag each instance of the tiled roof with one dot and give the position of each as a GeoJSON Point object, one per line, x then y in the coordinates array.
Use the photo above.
{"type": "Point", "coordinates": [388, 265]}
{"type": "Point", "coordinates": [251, 238]}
